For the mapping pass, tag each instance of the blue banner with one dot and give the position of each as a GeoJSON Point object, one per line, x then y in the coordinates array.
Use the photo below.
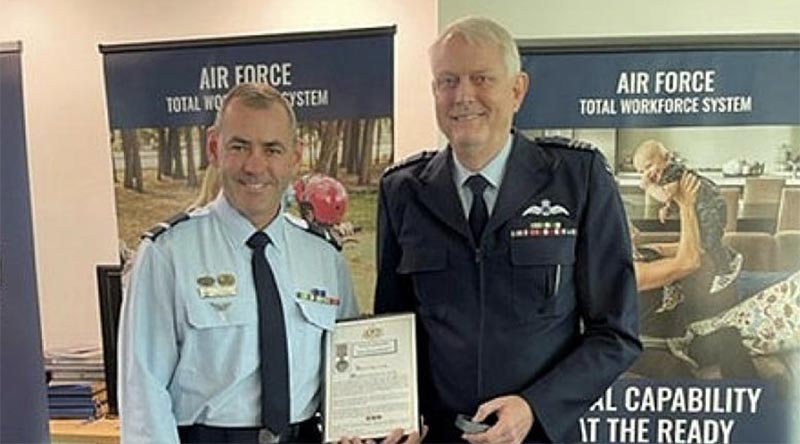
{"type": "Point", "coordinates": [662, 88]}
{"type": "Point", "coordinates": [344, 75]}
{"type": "Point", "coordinates": [717, 106]}
{"type": "Point", "coordinates": [23, 404]}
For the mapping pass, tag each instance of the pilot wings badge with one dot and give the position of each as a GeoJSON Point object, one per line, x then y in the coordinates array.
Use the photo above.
{"type": "Point", "coordinates": [545, 209]}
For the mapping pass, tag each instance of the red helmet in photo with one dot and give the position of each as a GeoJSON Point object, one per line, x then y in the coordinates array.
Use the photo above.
{"type": "Point", "coordinates": [325, 195]}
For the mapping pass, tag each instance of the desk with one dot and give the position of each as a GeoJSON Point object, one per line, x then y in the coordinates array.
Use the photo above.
{"type": "Point", "coordinates": [101, 431]}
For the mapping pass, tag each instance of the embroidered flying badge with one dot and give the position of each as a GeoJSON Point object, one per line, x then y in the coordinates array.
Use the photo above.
{"type": "Point", "coordinates": [545, 209]}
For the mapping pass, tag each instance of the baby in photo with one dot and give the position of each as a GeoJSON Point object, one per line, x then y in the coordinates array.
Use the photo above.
{"type": "Point", "coordinates": [660, 175]}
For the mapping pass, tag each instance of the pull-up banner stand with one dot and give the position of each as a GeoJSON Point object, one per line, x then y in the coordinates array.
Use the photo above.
{"type": "Point", "coordinates": [23, 402]}
{"type": "Point", "coordinates": [718, 366]}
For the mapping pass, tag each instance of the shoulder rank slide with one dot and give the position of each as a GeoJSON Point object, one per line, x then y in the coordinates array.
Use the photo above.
{"type": "Point", "coordinates": [565, 142]}
{"type": "Point", "coordinates": [161, 227]}
{"type": "Point", "coordinates": [573, 144]}
{"type": "Point", "coordinates": [315, 229]}
{"type": "Point", "coordinates": [410, 160]}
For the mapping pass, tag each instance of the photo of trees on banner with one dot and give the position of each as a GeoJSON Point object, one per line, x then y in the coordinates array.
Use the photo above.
{"type": "Point", "coordinates": [718, 275]}
{"type": "Point", "coordinates": [160, 112]}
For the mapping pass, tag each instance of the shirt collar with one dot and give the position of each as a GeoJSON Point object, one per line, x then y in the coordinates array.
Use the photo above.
{"type": "Point", "coordinates": [240, 229]}
{"type": "Point", "coordinates": [492, 171]}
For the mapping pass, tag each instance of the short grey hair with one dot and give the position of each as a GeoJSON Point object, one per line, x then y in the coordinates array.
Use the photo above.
{"type": "Point", "coordinates": [482, 31]}
{"type": "Point", "coordinates": [257, 96]}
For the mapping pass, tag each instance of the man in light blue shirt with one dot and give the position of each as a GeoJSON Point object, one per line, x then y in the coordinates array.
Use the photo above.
{"type": "Point", "coordinates": [189, 336]}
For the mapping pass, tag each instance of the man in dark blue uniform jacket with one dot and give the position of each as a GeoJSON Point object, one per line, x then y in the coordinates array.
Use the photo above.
{"type": "Point", "coordinates": [521, 278]}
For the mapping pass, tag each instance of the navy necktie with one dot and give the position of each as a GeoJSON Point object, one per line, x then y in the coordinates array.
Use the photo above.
{"type": "Point", "coordinates": [478, 214]}
{"type": "Point", "coordinates": [272, 340]}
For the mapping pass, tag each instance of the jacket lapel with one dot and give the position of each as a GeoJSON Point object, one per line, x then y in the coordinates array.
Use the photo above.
{"type": "Point", "coordinates": [527, 173]}
{"type": "Point", "coordinates": [438, 192]}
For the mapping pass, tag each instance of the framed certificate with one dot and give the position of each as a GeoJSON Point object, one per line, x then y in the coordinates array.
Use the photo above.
{"type": "Point", "coordinates": [371, 377]}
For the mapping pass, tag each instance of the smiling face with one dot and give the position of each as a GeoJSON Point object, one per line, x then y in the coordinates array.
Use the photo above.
{"type": "Point", "coordinates": [476, 97]}
{"type": "Point", "coordinates": [255, 151]}
{"type": "Point", "coordinates": [650, 160]}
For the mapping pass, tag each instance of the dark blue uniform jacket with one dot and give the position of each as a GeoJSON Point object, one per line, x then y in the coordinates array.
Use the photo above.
{"type": "Point", "coordinates": [544, 308]}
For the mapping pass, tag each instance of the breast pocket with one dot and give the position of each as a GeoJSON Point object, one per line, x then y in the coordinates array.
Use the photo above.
{"type": "Point", "coordinates": [315, 319]}
{"type": "Point", "coordinates": [316, 314]}
{"type": "Point", "coordinates": [542, 273]}
{"type": "Point", "coordinates": [426, 266]}
{"type": "Point", "coordinates": [221, 330]}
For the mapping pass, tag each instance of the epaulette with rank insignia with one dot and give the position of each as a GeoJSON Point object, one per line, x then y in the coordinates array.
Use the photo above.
{"type": "Point", "coordinates": [315, 230]}
{"type": "Point", "coordinates": [565, 142]}
{"type": "Point", "coordinates": [410, 160]}
{"type": "Point", "coordinates": [161, 227]}
{"type": "Point", "coordinates": [572, 144]}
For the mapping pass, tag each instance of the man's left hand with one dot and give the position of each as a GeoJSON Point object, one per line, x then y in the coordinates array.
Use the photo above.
{"type": "Point", "coordinates": [514, 421]}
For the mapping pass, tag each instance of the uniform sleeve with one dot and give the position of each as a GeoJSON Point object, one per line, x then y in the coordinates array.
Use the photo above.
{"type": "Point", "coordinates": [148, 351]}
{"type": "Point", "coordinates": [349, 303]}
{"type": "Point", "coordinates": [393, 292]}
{"type": "Point", "coordinates": [605, 286]}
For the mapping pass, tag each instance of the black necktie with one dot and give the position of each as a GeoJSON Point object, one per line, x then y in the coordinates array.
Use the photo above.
{"type": "Point", "coordinates": [272, 340]}
{"type": "Point", "coordinates": [478, 214]}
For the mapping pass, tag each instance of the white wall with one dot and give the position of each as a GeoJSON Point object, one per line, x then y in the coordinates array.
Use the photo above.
{"type": "Point", "coordinates": [592, 18]}
{"type": "Point", "coordinates": [67, 129]}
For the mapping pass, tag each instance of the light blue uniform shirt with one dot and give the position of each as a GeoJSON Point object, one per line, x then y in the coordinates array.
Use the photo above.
{"type": "Point", "coordinates": [186, 358]}
{"type": "Point", "coordinates": [493, 172]}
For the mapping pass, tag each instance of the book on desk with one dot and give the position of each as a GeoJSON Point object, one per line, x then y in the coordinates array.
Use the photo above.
{"type": "Point", "coordinates": [77, 400]}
